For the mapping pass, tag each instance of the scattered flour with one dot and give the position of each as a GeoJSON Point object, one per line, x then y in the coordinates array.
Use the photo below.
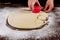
{"type": "Point", "coordinates": [5, 31]}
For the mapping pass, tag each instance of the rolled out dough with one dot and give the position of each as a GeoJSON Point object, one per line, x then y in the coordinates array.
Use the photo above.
{"type": "Point", "coordinates": [27, 20]}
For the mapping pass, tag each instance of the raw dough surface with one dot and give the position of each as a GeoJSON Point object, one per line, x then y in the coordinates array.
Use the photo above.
{"type": "Point", "coordinates": [27, 20]}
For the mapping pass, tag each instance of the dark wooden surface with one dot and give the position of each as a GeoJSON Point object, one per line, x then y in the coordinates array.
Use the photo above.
{"type": "Point", "coordinates": [22, 5]}
{"type": "Point", "coordinates": [56, 37]}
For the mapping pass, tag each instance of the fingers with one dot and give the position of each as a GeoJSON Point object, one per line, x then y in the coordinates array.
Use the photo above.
{"type": "Point", "coordinates": [49, 6]}
{"type": "Point", "coordinates": [32, 6]}
{"type": "Point", "coordinates": [38, 3]}
{"type": "Point", "coordinates": [46, 6]}
{"type": "Point", "coordinates": [31, 3]}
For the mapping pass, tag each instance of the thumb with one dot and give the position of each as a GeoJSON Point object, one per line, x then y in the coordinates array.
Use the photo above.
{"type": "Point", "coordinates": [39, 3]}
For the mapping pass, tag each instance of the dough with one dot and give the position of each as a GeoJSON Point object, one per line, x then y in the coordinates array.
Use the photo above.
{"type": "Point", "coordinates": [27, 20]}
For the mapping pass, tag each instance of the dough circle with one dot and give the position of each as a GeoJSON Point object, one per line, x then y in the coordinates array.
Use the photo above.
{"type": "Point", "coordinates": [27, 20]}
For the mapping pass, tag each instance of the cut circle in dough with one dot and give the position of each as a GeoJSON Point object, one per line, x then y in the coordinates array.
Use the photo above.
{"type": "Point", "coordinates": [27, 20]}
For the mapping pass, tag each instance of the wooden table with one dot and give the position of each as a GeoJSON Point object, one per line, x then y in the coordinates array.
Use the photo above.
{"type": "Point", "coordinates": [57, 13]}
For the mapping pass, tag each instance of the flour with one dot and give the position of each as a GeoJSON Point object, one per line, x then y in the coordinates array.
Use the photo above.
{"type": "Point", "coordinates": [46, 31]}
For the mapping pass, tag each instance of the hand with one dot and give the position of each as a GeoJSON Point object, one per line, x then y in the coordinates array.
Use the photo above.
{"type": "Point", "coordinates": [31, 3]}
{"type": "Point", "coordinates": [49, 5]}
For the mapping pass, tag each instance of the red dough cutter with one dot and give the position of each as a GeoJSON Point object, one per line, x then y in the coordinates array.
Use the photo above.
{"type": "Point", "coordinates": [36, 9]}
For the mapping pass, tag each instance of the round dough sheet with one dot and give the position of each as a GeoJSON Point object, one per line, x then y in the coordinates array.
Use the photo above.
{"type": "Point", "coordinates": [27, 20]}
